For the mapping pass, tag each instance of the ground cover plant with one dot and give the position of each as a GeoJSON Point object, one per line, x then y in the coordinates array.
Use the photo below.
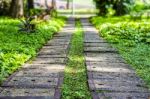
{"type": "Point", "coordinates": [16, 47]}
{"type": "Point", "coordinates": [131, 38]}
{"type": "Point", "coordinates": [75, 82]}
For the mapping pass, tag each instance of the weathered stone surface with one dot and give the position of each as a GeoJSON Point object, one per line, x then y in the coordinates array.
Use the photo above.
{"type": "Point", "coordinates": [107, 64]}
{"type": "Point", "coordinates": [120, 95]}
{"type": "Point", "coordinates": [94, 41]}
{"type": "Point", "coordinates": [113, 61]}
{"type": "Point", "coordinates": [91, 37]}
{"type": "Point", "coordinates": [54, 67]}
{"type": "Point", "coordinates": [88, 28]}
{"type": "Point", "coordinates": [110, 69]}
{"type": "Point", "coordinates": [115, 83]}
{"type": "Point", "coordinates": [52, 56]}
{"type": "Point", "coordinates": [40, 72]}
{"type": "Point", "coordinates": [68, 30]}
{"type": "Point", "coordinates": [100, 49]}
{"type": "Point", "coordinates": [104, 59]}
{"type": "Point", "coordinates": [57, 44]}
{"type": "Point", "coordinates": [105, 55]}
{"type": "Point", "coordinates": [55, 47]}
{"type": "Point", "coordinates": [119, 86]}
{"type": "Point", "coordinates": [97, 45]}
{"type": "Point", "coordinates": [35, 82]}
{"type": "Point", "coordinates": [62, 35]}
{"type": "Point", "coordinates": [56, 40]}
{"type": "Point", "coordinates": [115, 76]}
{"type": "Point", "coordinates": [64, 38]}
{"type": "Point", "coordinates": [94, 36]}
{"type": "Point", "coordinates": [13, 92]}
{"type": "Point", "coordinates": [52, 51]}
{"type": "Point", "coordinates": [49, 60]}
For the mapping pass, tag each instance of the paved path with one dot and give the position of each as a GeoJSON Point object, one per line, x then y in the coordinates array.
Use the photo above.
{"type": "Point", "coordinates": [42, 78]}
{"type": "Point", "coordinates": [109, 77]}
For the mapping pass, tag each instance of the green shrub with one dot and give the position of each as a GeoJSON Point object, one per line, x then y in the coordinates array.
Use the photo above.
{"type": "Point", "coordinates": [16, 48]}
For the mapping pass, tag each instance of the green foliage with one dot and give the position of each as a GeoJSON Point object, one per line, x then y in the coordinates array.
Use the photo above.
{"type": "Point", "coordinates": [35, 12]}
{"type": "Point", "coordinates": [75, 82]}
{"type": "Point", "coordinates": [123, 28]}
{"type": "Point", "coordinates": [140, 9]}
{"type": "Point", "coordinates": [140, 6]}
{"type": "Point", "coordinates": [26, 25]}
{"type": "Point", "coordinates": [4, 7]}
{"type": "Point", "coordinates": [16, 48]}
{"type": "Point", "coordinates": [131, 38]}
{"type": "Point", "coordinates": [120, 7]}
{"type": "Point", "coordinates": [53, 13]}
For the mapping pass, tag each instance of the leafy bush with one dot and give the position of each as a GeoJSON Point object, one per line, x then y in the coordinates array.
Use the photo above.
{"type": "Point", "coordinates": [35, 11]}
{"type": "Point", "coordinates": [120, 7]}
{"type": "Point", "coordinates": [123, 28]}
{"type": "Point", "coordinates": [16, 48]}
{"type": "Point", "coordinates": [27, 25]}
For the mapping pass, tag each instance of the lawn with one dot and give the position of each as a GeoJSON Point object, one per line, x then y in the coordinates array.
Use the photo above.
{"type": "Point", "coordinates": [75, 82]}
{"type": "Point", "coordinates": [16, 48]}
{"type": "Point", "coordinates": [131, 37]}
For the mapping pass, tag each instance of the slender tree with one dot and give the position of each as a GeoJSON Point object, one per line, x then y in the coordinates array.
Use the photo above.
{"type": "Point", "coordinates": [17, 8]}
{"type": "Point", "coordinates": [30, 4]}
{"type": "Point", "coordinates": [68, 4]}
{"type": "Point", "coordinates": [53, 3]}
{"type": "Point", "coordinates": [46, 4]}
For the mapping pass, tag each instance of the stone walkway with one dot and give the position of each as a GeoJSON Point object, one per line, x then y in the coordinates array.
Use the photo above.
{"type": "Point", "coordinates": [109, 77]}
{"type": "Point", "coordinates": [42, 78]}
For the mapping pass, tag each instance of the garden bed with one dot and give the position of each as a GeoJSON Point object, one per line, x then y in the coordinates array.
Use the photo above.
{"type": "Point", "coordinates": [16, 48]}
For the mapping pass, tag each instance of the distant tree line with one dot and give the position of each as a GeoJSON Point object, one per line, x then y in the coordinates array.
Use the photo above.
{"type": "Point", "coordinates": [121, 7]}
{"type": "Point", "coordinates": [18, 8]}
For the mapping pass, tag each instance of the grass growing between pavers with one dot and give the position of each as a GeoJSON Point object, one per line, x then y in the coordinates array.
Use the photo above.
{"type": "Point", "coordinates": [75, 81]}
{"type": "Point", "coordinates": [131, 38]}
{"type": "Point", "coordinates": [16, 48]}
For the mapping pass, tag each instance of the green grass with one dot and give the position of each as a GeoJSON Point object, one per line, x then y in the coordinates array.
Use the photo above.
{"type": "Point", "coordinates": [75, 82]}
{"type": "Point", "coordinates": [131, 38]}
{"type": "Point", "coordinates": [17, 48]}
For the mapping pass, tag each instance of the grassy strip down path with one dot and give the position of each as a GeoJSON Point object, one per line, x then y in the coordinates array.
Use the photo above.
{"type": "Point", "coordinates": [75, 82]}
{"type": "Point", "coordinates": [16, 48]}
{"type": "Point", "coordinates": [131, 38]}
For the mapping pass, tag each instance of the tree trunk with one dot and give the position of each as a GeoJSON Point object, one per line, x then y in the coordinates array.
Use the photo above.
{"type": "Point", "coordinates": [68, 4]}
{"type": "Point", "coordinates": [101, 5]}
{"type": "Point", "coordinates": [16, 9]}
{"type": "Point", "coordinates": [54, 4]}
{"type": "Point", "coordinates": [30, 4]}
